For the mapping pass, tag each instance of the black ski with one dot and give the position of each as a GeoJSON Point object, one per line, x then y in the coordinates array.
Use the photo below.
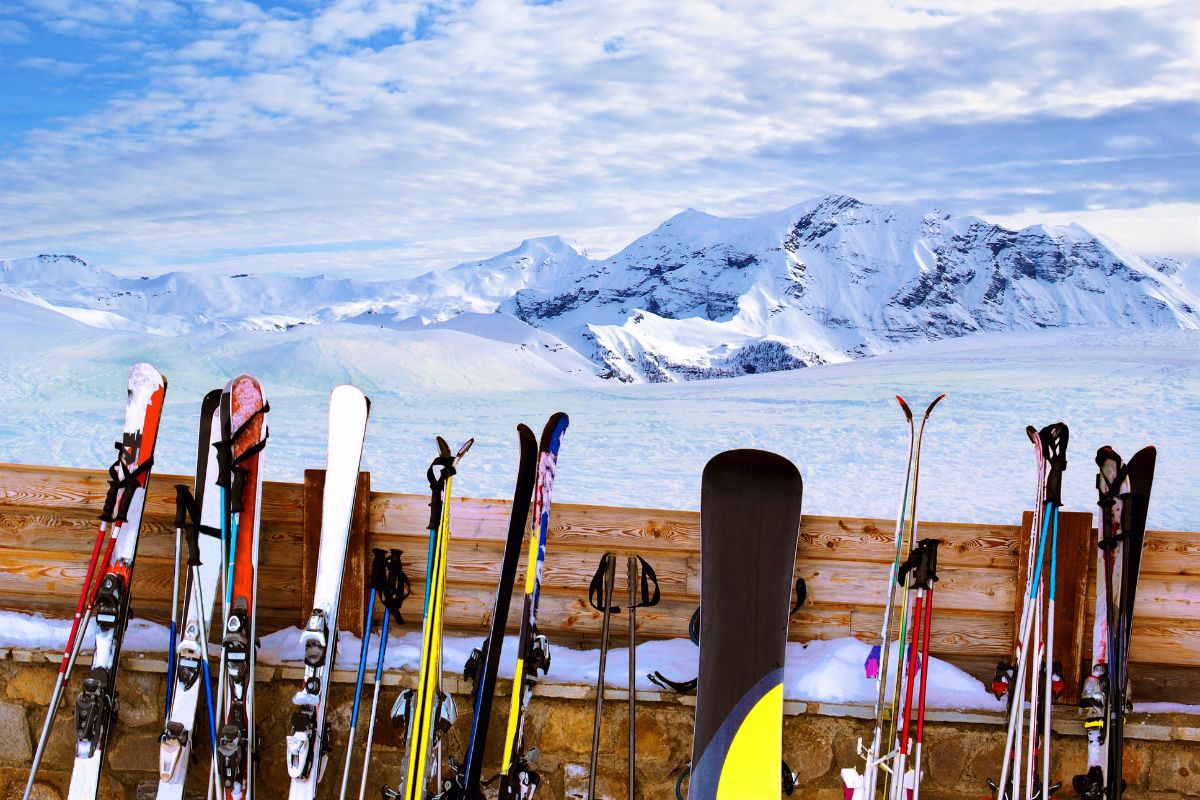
{"type": "Point", "coordinates": [484, 661]}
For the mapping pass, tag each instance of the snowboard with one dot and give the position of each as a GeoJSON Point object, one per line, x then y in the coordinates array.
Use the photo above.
{"type": "Point", "coordinates": [749, 527]}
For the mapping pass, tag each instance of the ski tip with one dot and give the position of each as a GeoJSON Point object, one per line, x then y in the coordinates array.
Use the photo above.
{"type": "Point", "coordinates": [462, 451]}
{"type": "Point", "coordinates": [443, 447]}
{"type": "Point", "coordinates": [346, 393]}
{"type": "Point", "coordinates": [556, 424]}
{"type": "Point", "coordinates": [904, 406]}
{"type": "Point", "coordinates": [936, 400]}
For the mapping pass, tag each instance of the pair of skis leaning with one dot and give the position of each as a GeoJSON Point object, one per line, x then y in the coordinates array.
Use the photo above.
{"type": "Point", "coordinates": [219, 520]}
{"type": "Point", "coordinates": [105, 594]}
{"type": "Point", "coordinates": [1123, 498]}
{"type": "Point", "coordinates": [426, 712]}
{"type": "Point", "coordinates": [910, 582]}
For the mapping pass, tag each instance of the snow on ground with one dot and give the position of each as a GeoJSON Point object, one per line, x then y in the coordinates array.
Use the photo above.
{"type": "Point", "coordinates": [823, 671]}
{"type": "Point", "coordinates": [639, 445]}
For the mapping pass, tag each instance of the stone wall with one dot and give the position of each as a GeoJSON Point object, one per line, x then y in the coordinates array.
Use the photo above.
{"type": "Point", "coordinates": [962, 749]}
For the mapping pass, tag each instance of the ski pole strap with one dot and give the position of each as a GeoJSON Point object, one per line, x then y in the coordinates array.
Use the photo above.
{"type": "Point", "coordinates": [1108, 490]}
{"type": "Point", "coordinates": [123, 485]}
{"type": "Point", "coordinates": [596, 588]}
{"type": "Point", "coordinates": [694, 627]}
{"type": "Point", "coordinates": [648, 577]}
{"type": "Point", "coordinates": [229, 476]}
{"type": "Point", "coordinates": [1053, 439]}
{"type": "Point", "coordinates": [683, 774]}
{"type": "Point", "coordinates": [662, 681]}
{"type": "Point", "coordinates": [114, 486]}
{"type": "Point", "coordinates": [187, 516]}
{"type": "Point", "coordinates": [396, 587]}
{"type": "Point", "coordinates": [438, 473]}
{"type": "Point", "coordinates": [1133, 508]}
{"type": "Point", "coordinates": [801, 595]}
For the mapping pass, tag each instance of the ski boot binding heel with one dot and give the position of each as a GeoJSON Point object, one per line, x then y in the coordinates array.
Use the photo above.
{"type": "Point", "coordinates": [300, 742]}
{"type": "Point", "coordinates": [171, 744]}
{"type": "Point", "coordinates": [95, 711]}
{"type": "Point", "coordinates": [521, 781]}
{"type": "Point", "coordinates": [538, 657]}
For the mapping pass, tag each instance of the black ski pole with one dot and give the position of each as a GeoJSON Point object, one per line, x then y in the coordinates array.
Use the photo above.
{"type": "Point", "coordinates": [600, 595]}
{"type": "Point", "coordinates": [647, 599]}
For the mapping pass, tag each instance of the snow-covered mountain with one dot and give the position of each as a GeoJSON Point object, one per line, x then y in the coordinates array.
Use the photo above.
{"type": "Point", "coordinates": [700, 296]}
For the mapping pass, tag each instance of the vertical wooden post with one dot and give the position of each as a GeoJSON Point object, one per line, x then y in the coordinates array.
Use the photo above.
{"type": "Point", "coordinates": [1076, 550]}
{"type": "Point", "coordinates": [354, 578]}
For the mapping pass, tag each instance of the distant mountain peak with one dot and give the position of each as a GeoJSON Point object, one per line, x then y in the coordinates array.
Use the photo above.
{"type": "Point", "coordinates": [699, 296]}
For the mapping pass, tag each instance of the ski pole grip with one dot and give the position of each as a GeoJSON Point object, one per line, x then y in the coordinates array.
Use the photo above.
{"type": "Point", "coordinates": [182, 496]}
{"type": "Point", "coordinates": [379, 570]}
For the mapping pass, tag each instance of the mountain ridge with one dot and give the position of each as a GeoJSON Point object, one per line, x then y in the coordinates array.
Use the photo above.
{"type": "Point", "coordinates": [829, 279]}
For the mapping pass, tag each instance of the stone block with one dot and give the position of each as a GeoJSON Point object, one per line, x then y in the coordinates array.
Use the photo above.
{"type": "Point", "coordinates": [15, 743]}
{"type": "Point", "coordinates": [1177, 770]}
{"type": "Point", "coordinates": [31, 685]}
{"type": "Point", "coordinates": [141, 695]}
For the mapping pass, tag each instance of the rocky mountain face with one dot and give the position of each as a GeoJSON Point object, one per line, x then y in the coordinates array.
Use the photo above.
{"type": "Point", "coordinates": [700, 296]}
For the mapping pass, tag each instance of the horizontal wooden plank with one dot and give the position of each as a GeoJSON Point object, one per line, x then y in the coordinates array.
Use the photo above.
{"type": "Point", "coordinates": [25, 577]}
{"type": "Point", "coordinates": [1172, 553]}
{"type": "Point", "coordinates": [859, 539]}
{"type": "Point", "coordinates": [858, 583]}
{"type": "Point", "coordinates": [572, 526]}
{"type": "Point", "coordinates": [1165, 642]}
{"type": "Point", "coordinates": [951, 632]}
{"type": "Point", "coordinates": [56, 487]}
{"type": "Point", "coordinates": [477, 562]}
{"type": "Point", "coordinates": [70, 533]}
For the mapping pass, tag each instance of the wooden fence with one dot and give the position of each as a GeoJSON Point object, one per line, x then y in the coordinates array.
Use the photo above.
{"type": "Point", "coordinates": [47, 516]}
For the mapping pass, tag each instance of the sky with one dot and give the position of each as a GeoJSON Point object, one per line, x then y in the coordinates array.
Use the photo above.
{"type": "Point", "coordinates": [383, 138]}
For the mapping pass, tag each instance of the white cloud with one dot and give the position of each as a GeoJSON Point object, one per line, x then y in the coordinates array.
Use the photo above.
{"type": "Point", "coordinates": [593, 119]}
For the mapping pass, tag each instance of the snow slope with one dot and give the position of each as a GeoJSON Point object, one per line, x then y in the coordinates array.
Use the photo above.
{"type": "Point", "coordinates": [62, 388]}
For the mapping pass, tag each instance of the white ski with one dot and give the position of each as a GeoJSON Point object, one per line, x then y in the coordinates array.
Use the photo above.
{"type": "Point", "coordinates": [96, 706]}
{"type": "Point", "coordinates": [176, 741]}
{"type": "Point", "coordinates": [307, 745]}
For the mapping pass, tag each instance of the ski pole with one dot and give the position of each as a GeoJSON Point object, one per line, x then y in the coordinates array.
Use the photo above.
{"type": "Point", "coordinates": [181, 492]}
{"type": "Point", "coordinates": [646, 573]}
{"type": "Point", "coordinates": [1049, 662]}
{"type": "Point", "coordinates": [632, 769]}
{"type": "Point", "coordinates": [377, 581]}
{"type": "Point", "coordinates": [396, 589]}
{"type": "Point", "coordinates": [601, 590]}
{"type": "Point", "coordinates": [111, 517]}
{"type": "Point", "coordinates": [928, 577]}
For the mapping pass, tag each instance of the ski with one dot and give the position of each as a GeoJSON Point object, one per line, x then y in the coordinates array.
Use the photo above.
{"type": "Point", "coordinates": [878, 664]}
{"type": "Point", "coordinates": [200, 513]}
{"type": "Point", "coordinates": [518, 780]}
{"type": "Point", "coordinates": [97, 706]}
{"type": "Point", "coordinates": [1023, 679]}
{"type": "Point", "coordinates": [308, 743]}
{"type": "Point", "coordinates": [749, 526]}
{"type": "Point", "coordinates": [427, 712]}
{"type": "Point", "coordinates": [244, 436]}
{"type": "Point", "coordinates": [1124, 498]}
{"type": "Point", "coordinates": [484, 661]}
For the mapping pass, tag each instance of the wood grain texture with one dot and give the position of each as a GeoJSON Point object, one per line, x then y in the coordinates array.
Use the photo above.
{"type": "Point", "coordinates": [48, 523]}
